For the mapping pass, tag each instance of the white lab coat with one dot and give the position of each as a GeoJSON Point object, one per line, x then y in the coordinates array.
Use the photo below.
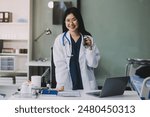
{"type": "Point", "coordinates": [88, 60]}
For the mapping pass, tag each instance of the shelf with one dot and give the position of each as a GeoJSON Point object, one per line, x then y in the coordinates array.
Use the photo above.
{"type": "Point", "coordinates": [13, 39]}
{"type": "Point", "coordinates": [14, 71]}
{"type": "Point", "coordinates": [12, 54]}
{"type": "Point", "coordinates": [21, 71]}
{"type": "Point", "coordinates": [39, 63]}
{"type": "Point", "coordinates": [15, 23]}
{"type": "Point", "coordinates": [19, 36]}
{"type": "Point", "coordinates": [7, 71]}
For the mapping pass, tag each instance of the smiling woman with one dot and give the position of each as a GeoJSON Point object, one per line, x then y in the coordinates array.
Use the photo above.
{"type": "Point", "coordinates": [73, 60]}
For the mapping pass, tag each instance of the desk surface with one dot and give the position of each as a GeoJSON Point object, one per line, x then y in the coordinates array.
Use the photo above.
{"type": "Point", "coordinates": [128, 95]}
{"type": "Point", "coordinates": [39, 63]}
{"type": "Point", "coordinates": [9, 90]}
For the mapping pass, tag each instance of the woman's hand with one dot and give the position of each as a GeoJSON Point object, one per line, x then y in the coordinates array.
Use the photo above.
{"type": "Point", "coordinates": [88, 42]}
{"type": "Point", "coordinates": [60, 88]}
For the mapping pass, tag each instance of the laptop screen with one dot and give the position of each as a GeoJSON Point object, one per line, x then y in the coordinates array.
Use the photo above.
{"type": "Point", "coordinates": [114, 86]}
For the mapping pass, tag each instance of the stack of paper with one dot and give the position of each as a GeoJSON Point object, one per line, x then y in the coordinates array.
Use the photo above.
{"type": "Point", "coordinates": [69, 94]}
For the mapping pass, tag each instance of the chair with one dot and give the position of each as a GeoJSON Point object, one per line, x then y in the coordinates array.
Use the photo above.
{"type": "Point", "coordinates": [53, 78]}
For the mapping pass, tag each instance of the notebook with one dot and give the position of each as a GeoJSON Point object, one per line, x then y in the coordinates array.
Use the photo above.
{"type": "Point", "coordinates": [69, 93]}
{"type": "Point", "coordinates": [112, 87]}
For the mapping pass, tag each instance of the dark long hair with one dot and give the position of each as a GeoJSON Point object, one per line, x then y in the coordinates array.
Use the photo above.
{"type": "Point", "coordinates": [76, 12]}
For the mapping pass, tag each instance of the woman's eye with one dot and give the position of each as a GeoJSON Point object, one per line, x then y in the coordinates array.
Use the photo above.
{"type": "Point", "coordinates": [68, 20]}
{"type": "Point", "coordinates": [71, 20]}
{"type": "Point", "coordinates": [74, 19]}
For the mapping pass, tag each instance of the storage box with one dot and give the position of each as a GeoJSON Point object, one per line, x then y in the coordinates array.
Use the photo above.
{"type": "Point", "coordinates": [5, 16]}
{"type": "Point", "coordinates": [7, 63]}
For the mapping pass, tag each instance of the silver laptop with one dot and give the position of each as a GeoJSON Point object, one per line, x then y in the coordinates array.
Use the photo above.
{"type": "Point", "coordinates": [112, 87]}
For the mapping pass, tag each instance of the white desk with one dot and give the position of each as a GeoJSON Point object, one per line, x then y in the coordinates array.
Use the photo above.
{"type": "Point", "coordinates": [39, 63]}
{"type": "Point", "coordinates": [8, 90]}
{"type": "Point", "coordinates": [128, 95]}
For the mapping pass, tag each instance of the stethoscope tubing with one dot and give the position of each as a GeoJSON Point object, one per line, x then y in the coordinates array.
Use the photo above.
{"type": "Point", "coordinates": [69, 54]}
{"type": "Point", "coordinates": [65, 37]}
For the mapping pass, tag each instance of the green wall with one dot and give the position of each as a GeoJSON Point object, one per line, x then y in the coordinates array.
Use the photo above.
{"type": "Point", "coordinates": [121, 29]}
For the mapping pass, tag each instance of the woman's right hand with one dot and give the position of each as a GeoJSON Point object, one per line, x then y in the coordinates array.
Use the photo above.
{"type": "Point", "coordinates": [60, 88]}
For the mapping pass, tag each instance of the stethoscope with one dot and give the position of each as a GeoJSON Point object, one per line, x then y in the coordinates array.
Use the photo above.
{"type": "Point", "coordinates": [68, 51]}
{"type": "Point", "coordinates": [65, 37]}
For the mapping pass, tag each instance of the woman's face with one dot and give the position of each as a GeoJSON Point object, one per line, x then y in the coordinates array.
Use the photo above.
{"type": "Point", "coordinates": [71, 23]}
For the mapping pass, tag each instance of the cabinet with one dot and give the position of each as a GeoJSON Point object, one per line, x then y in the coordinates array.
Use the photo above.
{"type": "Point", "coordinates": [15, 38]}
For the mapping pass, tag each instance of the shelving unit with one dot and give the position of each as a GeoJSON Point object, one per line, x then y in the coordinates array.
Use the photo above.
{"type": "Point", "coordinates": [16, 36]}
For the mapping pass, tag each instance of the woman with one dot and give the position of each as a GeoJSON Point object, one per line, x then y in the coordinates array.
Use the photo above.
{"type": "Point", "coordinates": [75, 54]}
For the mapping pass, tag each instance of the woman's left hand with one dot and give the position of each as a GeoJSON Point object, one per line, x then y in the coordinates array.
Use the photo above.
{"type": "Point", "coordinates": [88, 43]}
